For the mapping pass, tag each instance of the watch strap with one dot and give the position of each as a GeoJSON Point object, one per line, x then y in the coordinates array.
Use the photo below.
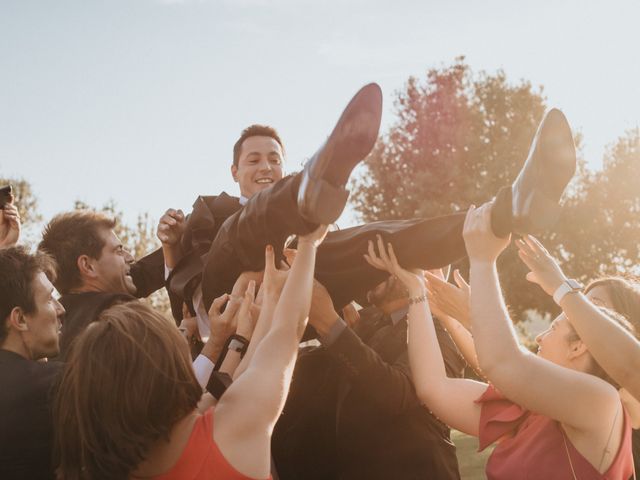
{"type": "Point", "coordinates": [569, 285]}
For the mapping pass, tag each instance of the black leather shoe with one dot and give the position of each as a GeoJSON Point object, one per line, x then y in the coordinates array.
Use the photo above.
{"type": "Point", "coordinates": [322, 194]}
{"type": "Point", "coordinates": [547, 171]}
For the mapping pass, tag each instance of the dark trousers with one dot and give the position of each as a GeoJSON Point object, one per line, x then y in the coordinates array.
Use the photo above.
{"type": "Point", "coordinates": [271, 216]}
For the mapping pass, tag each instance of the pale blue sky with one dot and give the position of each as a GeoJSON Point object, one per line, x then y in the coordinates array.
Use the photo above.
{"type": "Point", "coordinates": [142, 100]}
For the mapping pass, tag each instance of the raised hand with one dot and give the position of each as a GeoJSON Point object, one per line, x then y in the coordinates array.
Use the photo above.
{"type": "Point", "coordinates": [9, 225]}
{"type": "Point", "coordinates": [448, 299]}
{"type": "Point", "coordinates": [322, 314]}
{"type": "Point", "coordinates": [246, 315]}
{"type": "Point", "coordinates": [273, 278]}
{"type": "Point", "coordinates": [171, 227]}
{"type": "Point", "coordinates": [223, 324]}
{"type": "Point", "coordinates": [385, 259]}
{"type": "Point", "coordinates": [545, 270]}
{"type": "Point", "coordinates": [480, 241]}
{"type": "Point", "coordinates": [314, 238]}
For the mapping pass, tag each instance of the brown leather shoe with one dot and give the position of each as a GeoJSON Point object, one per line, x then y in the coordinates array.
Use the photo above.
{"type": "Point", "coordinates": [322, 194]}
{"type": "Point", "coordinates": [546, 172]}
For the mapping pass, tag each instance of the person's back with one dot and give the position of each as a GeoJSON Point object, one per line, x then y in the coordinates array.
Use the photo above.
{"type": "Point", "coordinates": [25, 422]}
{"type": "Point", "coordinates": [407, 443]}
{"type": "Point", "coordinates": [200, 457]}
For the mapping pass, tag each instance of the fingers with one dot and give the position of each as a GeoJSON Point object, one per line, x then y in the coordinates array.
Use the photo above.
{"type": "Point", "coordinates": [289, 255]}
{"type": "Point", "coordinates": [469, 219]}
{"type": "Point", "coordinates": [459, 279]}
{"type": "Point", "coordinates": [372, 257]}
{"type": "Point", "coordinates": [393, 258]}
{"type": "Point", "coordinates": [218, 303]}
{"type": "Point", "coordinates": [172, 216]}
{"type": "Point", "coordinates": [528, 260]}
{"type": "Point", "coordinates": [535, 243]}
{"type": "Point", "coordinates": [247, 300]}
{"type": "Point", "coordinates": [284, 265]}
{"type": "Point", "coordinates": [382, 251]}
{"type": "Point", "coordinates": [10, 214]}
{"type": "Point", "coordinates": [269, 259]}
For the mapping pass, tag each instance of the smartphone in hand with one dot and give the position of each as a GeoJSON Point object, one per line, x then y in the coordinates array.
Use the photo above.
{"type": "Point", "coordinates": [6, 195]}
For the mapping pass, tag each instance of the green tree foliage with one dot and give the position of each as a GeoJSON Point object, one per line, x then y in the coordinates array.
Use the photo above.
{"type": "Point", "coordinates": [460, 136]}
{"type": "Point", "coordinates": [600, 230]}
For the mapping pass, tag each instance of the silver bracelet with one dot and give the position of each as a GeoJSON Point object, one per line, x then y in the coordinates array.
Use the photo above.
{"type": "Point", "coordinates": [418, 299]}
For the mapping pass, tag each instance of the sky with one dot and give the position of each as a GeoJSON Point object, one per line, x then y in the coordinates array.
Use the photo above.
{"type": "Point", "coordinates": [140, 101]}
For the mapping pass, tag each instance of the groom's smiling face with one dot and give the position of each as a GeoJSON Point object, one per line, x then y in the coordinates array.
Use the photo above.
{"type": "Point", "coordinates": [259, 165]}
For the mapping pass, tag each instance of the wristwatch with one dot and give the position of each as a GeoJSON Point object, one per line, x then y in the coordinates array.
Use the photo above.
{"type": "Point", "coordinates": [568, 286]}
{"type": "Point", "coordinates": [235, 343]}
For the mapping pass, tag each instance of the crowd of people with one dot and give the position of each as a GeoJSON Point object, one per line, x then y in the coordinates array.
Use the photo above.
{"type": "Point", "coordinates": [299, 351]}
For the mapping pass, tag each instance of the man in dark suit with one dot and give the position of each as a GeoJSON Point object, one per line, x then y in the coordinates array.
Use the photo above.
{"type": "Point", "coordinates": [29, 332]}
{"type": "Point", "coordinates": [94, 269]}
{"type": "Point", "coordinates": [352, 411]}
{"type": "Point", "coordinates": [95, 272]}
{"type": "Point", "coordinates": [225, 236]}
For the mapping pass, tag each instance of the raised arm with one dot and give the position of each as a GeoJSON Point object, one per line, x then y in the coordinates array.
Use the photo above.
{"type": "Point", "coordinates": [450, 303]}
{"type": "Point", "coordinates": [451, 399]}
{"type": "Point", "coordinates": [619, 356]}
{"type": "Point", "coordinates": [247, 412]}
{"type": "Point", "coordinates": [566, 395]}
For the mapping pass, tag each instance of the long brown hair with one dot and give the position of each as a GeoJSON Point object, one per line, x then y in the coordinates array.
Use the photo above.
{"type": "Point", "coordinates": [625, 296]}
{"type": "Point", "coordinates": [127, 382]}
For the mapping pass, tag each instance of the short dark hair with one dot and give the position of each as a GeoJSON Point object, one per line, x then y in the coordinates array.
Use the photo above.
{"type": "Point", "coordinates": [254, 131]}
{"type": "Point", "coordinates": [19, 268]}
{"type": "Point", "coordinates": [68, 236]}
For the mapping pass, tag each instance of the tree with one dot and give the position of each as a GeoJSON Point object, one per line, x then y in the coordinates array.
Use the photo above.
{"type": "Point", "coordinates": [458, 138]}
{"type": "Point", "coordinates": [600, 230]}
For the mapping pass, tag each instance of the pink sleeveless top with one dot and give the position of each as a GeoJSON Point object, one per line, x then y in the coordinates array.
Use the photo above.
{"type": "Point", "coordinates": [202, 459]}
{"type": "Point", "coordinates": [534, 446]}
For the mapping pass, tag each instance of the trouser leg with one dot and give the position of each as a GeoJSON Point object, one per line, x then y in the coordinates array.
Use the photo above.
{"type": "Point", "coordinates": [419, 243]}
{"type": "Point", "coordinates": [268, 218]}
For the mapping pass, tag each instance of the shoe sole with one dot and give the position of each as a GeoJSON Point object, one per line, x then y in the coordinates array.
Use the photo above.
{"type": "Point", "coordinates": [541, 209]}
{"type": "Point", "coordinates": [353, 137]}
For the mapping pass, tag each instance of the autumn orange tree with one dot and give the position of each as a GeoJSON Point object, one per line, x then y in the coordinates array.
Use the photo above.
{"type": "Point", "coordinates": [460, 135]}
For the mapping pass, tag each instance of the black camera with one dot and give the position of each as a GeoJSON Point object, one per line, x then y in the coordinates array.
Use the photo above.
{"type": "Point", "coordinates": [6, 195]}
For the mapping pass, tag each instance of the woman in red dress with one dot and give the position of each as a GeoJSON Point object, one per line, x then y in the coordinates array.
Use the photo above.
{"type": "Point", "coordinates": [554, 415]}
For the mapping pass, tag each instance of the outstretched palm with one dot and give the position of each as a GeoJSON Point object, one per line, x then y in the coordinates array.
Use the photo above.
{"type": "Point", "coordinates": [385, 259]}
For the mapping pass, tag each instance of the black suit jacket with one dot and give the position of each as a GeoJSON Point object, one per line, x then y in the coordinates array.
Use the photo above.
{"type": "Point", "coordinates": [25, 417]}
{"type": "Point", "coordinates": [81, 309]}
{"type": "Point", "coordinates": [203, 224]}
{"type": "Point", "coordinates": [148, 273]}
{"type": "Point", "coordinates": [352, 412]}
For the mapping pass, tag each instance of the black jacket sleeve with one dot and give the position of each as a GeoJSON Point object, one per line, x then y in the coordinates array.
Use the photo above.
{"type": "Point", "coordinates": [388, 385]}
{"type": "Point", "coordinates": [148, 273]}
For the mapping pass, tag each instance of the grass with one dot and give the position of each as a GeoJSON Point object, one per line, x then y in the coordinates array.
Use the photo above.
{"type": "Point", "coordinates": [470, 461]}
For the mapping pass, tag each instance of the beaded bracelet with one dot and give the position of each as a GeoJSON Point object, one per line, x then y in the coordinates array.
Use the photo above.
{"type": "Point", "coordinates": [418, 299]}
